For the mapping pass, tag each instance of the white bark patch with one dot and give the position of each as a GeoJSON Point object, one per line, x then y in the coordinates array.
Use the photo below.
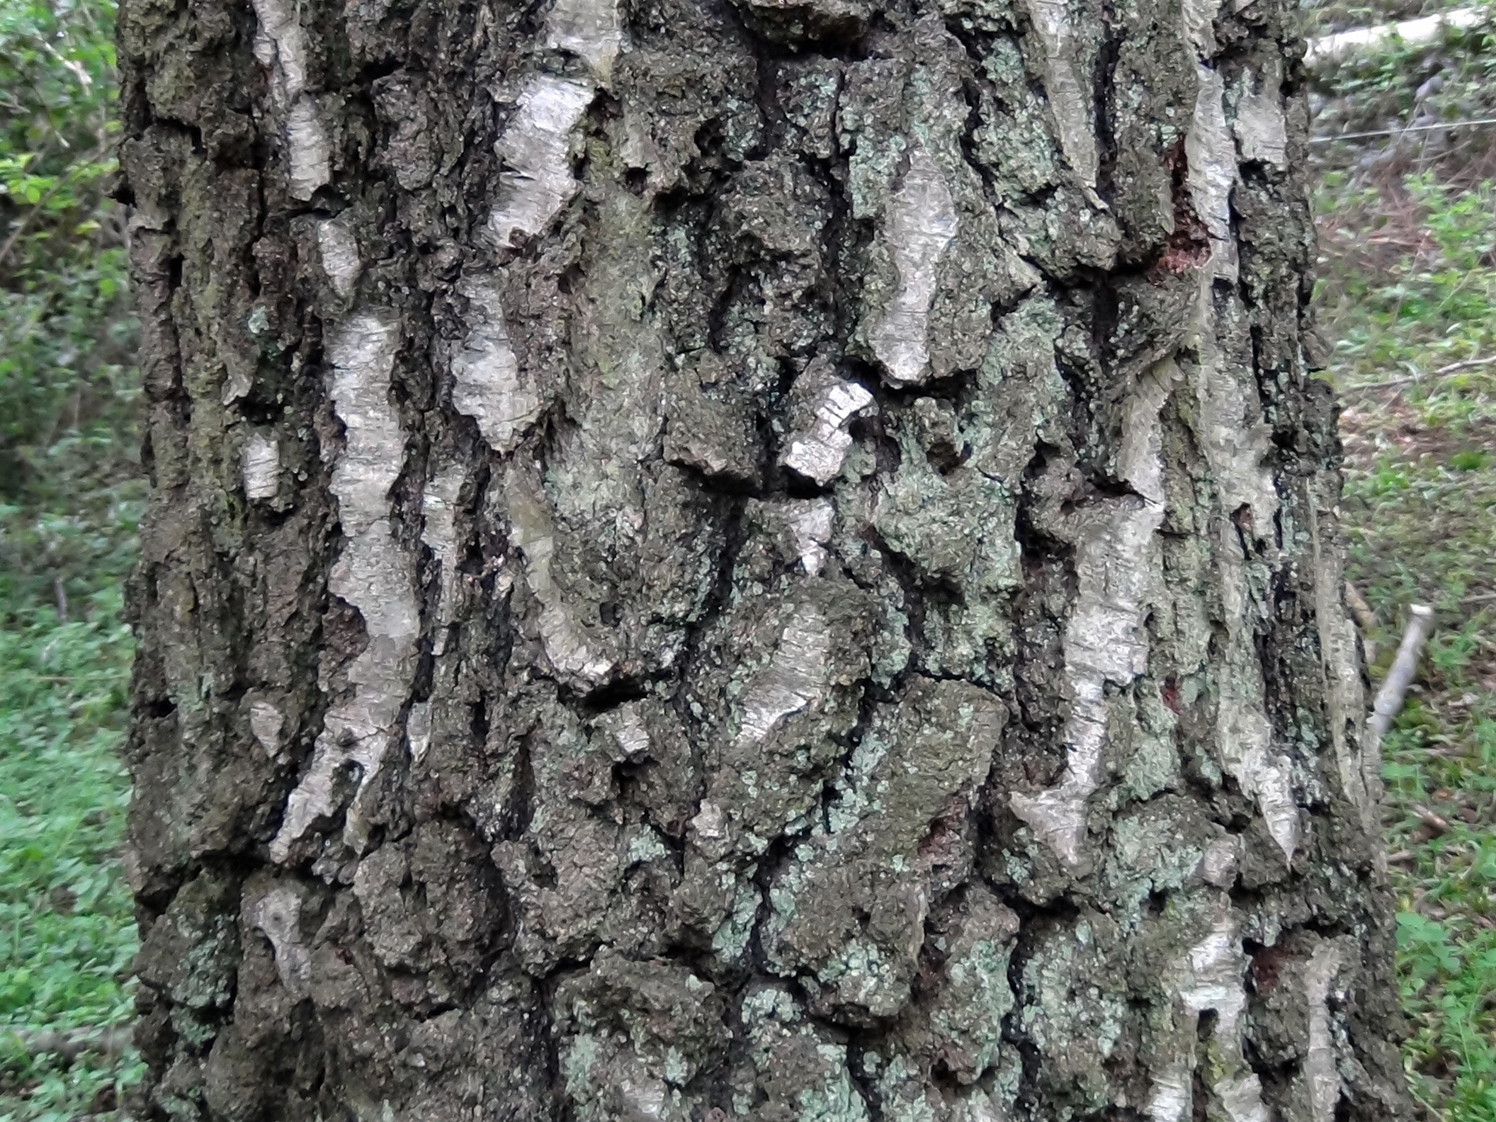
{"type": "Point", "coordinates": [259, 465]}
{"type": "Point", "coordinates": [1244, 735]}
{"type": "Point", "coordinates": [589, 29]}
{"type": "Point", "coordinates": [1068, 95]}
{"type": "Point", "coordinates": [1261, 129]}
{"type": "Point", "coordinates": [1237, 446]}
{"type": "Point", "coordinates": [487, 384]}
{"type": "Point", "coordinates": [1199, 26]}
{"type": "Point", "coordinates": [644, 1099]}
{"type": "Point", "coordinates": [1210, 152]}
{"type": "Point", "coordinates": [265, 722]}
{"type": "Point", "coordinates": [439, 534]}
{"type": "Point", "coordinates": [811, 522]}
{"type": "Point", "coordinates": [340, 261]}
{"type": "Point", "coordinates": [795, 678]}
{"type": "Point", "coordinates": [536, 149]}
{"type": "Point", "coordinates": [278, 914]}
{"type": "Point", "coordinates": [309, 149]}
{"type": "Point", "coordinates": [1210, 978]}
{"type": "Point", "coordinates": [565, 642]}
{"type": "Point", "coordinates": [373, 575]}
{"type": "Point", "coordinates": [418, 730]}
{"type": "Point", "coordinates": [1171, 1096]}
{"type": "Point", "coordinates": [1220, 862]}
{"type": "Point", "coordinates": [710, 822]}
{"type": "Point", "coordinates": [264, 51]}
{"type": "Point", "coordinates": [921, 223]}
{"type": "Point", "coordinates": [630, 737]}
{"type": "Point", "coordinates": [1105, 640]}
{"type": "Point", "coordinates": [1241, 1095]}
{"type": "Point", "coordinates": [820, 453]}
{"type": "Point", "coordinates": [281, 45]}
{"type": "Point", "coordinates": [1321, 1074]}
{"type": "Point", "coordinates": [1345, 696]}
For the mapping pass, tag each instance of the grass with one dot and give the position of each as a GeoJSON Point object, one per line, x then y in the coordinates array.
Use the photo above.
{"type": "Point", "coordinates": [67, 935]}
{"type": "Point", "coordinates": [1408, 296]}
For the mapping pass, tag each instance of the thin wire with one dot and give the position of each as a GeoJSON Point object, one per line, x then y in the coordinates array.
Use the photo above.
{"type": "Point", "coordinates": [1398, 132]}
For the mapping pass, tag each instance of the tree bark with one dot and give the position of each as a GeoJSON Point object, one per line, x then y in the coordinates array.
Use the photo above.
{"type": "Point", "coordinates": [768, 560]}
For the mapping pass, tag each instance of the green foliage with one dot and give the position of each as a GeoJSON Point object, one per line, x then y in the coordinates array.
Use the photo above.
{"type": "Point", "coordinates": [66, 386]}
{"type": "Point", "coordinates": [70, 498]}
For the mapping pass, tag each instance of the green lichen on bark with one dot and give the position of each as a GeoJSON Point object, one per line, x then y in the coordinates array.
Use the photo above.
{"type": "Point", "coordinates": [769, 561]}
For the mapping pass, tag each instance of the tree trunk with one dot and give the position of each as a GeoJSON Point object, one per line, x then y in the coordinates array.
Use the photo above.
{"type": "Point", "coordinates": [772, 560]}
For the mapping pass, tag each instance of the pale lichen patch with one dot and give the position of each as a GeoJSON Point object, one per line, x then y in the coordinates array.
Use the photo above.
{"type": "Point", "coordinates": [820, 453]}
{"type": "Point", "coordinates": [589, 29]}
{"type": "Point", "coordinates": [536, 149]}
{"type": "Point", "coordinates": [372, 575]}
{"type": "Point", "coordinates": [920, 223]}
{"type": "Point", "coordinates": [259, 466]}
{"type": "Point", "coordinates": [487, 383]}
{"type": "Point", "coordinates": [278, 914]}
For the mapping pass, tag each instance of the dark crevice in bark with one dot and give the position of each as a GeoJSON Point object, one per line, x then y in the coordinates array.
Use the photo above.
{"type": "Point", "coordinates": [1104, 98]}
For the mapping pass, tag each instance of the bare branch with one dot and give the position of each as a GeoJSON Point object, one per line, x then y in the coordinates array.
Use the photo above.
{"type": "Point", "coordinates": [1390, 697]}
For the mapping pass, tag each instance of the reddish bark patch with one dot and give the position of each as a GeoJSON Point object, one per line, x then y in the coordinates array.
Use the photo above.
{"type": "Point", "coordinates": [1267, 967]}
{"type": "Point", "coordinates": [1188, 246]}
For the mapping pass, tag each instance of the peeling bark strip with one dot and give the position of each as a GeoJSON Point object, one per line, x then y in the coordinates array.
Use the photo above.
{"type": "Point", "coordinates": [921, 223]}
{"type": "Point", "coordinates": [373, 576]}
{"type": "Point", "coordinates": [769, 562]}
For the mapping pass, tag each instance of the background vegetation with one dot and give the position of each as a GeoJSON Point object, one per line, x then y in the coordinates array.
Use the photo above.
{"type": "Point", "coordinates": [70, 497]}
{"type": "Point", "coordinates": [1407, 303]}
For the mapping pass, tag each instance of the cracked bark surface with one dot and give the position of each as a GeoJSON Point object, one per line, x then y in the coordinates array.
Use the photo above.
{"type": "Point", "coordinates": [772, 560]}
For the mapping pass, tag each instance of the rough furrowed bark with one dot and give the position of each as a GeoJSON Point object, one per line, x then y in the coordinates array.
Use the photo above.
{"type": "Point", "coordinates": [771, 561]}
